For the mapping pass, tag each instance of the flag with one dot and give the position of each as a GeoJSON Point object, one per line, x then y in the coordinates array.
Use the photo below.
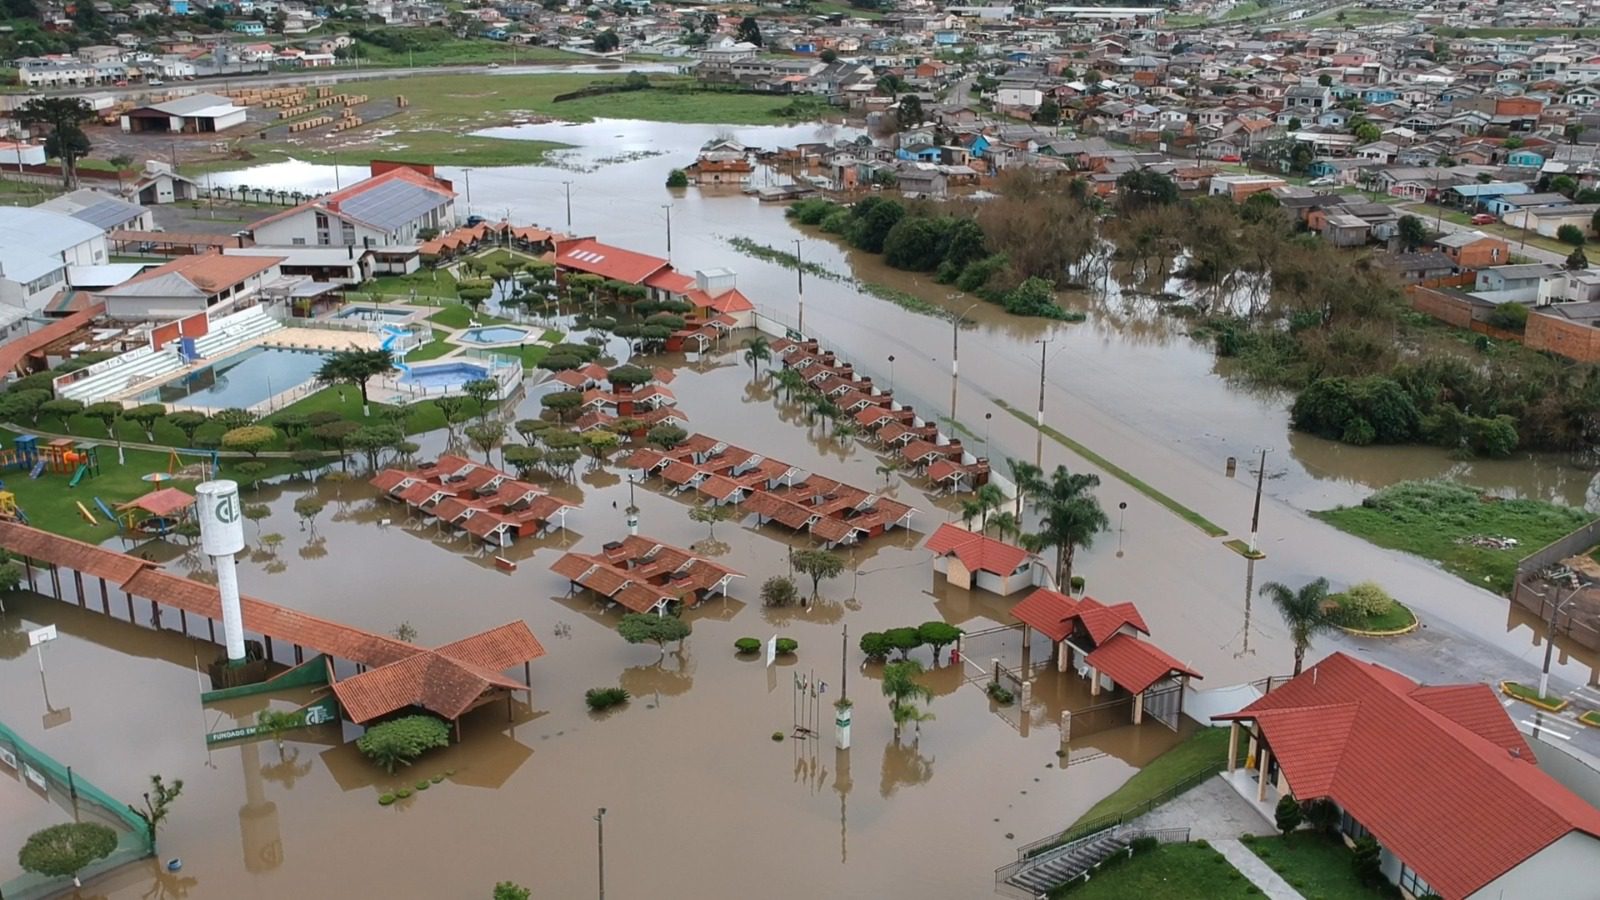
{"type": "Point", "coordinates": [797, 685]}
{"type": "Point", "coordinates": [822, 687]}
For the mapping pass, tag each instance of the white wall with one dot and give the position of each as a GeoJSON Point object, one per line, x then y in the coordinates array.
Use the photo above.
{"type": "Point", "coordinates": [1566, 868]}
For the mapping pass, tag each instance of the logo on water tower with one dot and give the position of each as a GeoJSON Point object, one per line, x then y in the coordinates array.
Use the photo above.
{"type": "Point", "coordinates": [227, 510]}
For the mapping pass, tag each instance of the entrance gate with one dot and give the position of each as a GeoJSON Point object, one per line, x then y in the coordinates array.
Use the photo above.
{"type": "Point", "coordinates": [1163, 702]}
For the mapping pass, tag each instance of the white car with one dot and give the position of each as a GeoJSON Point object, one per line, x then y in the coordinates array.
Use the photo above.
{"type": "Point", "coordinates": [494, 65]}
{"type": "Point", "coordinates": [156, 82]}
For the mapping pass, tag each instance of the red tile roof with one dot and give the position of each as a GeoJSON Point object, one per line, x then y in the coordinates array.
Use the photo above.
{"type": "Point", "coordinates": [1048, 612]}
{"type": "Point", "coordinates": [164, 502]}
{"type": "Point", "coordinates": [589, 255]}
{"type": "Point", "coordinates": [976, 552]}
{"type": "Point", "coordinates": [17, 348]}
{"type": "Point", "coordinates": [1134, 664]}
{"type": "Point", "coordinates": [1437, 780]}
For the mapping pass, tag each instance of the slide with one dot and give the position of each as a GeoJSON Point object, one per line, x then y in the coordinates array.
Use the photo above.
{"type": "Point", "coordinates": [38, 469]}
{"type": "Point", "coordinates": [78, 476]}
{"type": "Point", "coordinates": [106, 510]}
{"type": "Point", "coordinates": [22, 517]}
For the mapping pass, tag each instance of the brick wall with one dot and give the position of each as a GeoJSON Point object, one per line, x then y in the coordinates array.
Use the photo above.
{"type": "Point", "coordinates": [1447, 309]}
{"type": "Point", "coordinates": [1564, 337]}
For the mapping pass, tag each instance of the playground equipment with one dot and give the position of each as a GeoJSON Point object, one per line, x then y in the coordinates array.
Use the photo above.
{"type": "Point", "coordinates": [9, 510]}
{"type": "Point", "coordinates": [111, 516]}
{"type": "Point", "coordinates": [84, 511]}
{"type": "Point", "coordinates": [212, 458]}
{"type": "Point", "coordinates": [61, 455]}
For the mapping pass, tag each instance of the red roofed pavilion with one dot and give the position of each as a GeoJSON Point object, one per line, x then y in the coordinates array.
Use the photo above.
{"type": "Point", "coordinates": [967, 558]}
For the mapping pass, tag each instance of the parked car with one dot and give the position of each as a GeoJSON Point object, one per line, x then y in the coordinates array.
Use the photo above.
{"type": "Point", "coordinates": [156, 82]}
{"type": "Point", "coordinates": [494, 65]}
{"type": "Point", "coordinates": [1484, 219]}
{"type": "Point", "coordinates": [121, 83]}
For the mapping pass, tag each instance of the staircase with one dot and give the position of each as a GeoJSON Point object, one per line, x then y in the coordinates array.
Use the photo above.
{"type": "Point", "coordinates": [1040, 874]}
{"type": "Point", "coordinates": [122, 373]}
{"type": "Point", "coordinates": [229, 332]}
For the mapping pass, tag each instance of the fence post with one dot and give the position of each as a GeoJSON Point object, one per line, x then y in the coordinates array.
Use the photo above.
{"type": "Point", "coordinates": [996, 668]}
{"type": "Point", "coordinates": [1066, 729]}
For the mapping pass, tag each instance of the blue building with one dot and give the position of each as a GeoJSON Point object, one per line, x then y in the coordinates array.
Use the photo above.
{"type": "Point", "coordinates": [1380, 95]}
{"type": "Point", "coordinates": [1525, 158]}
{"type": "Point", "coordinates": [250, 26]}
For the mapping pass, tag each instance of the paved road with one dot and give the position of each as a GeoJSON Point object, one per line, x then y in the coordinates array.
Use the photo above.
{"type": "Point", "coordinates": [1448, 227]}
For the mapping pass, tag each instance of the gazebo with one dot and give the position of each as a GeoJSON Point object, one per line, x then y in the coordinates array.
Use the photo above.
{"type": "Point", "coordinates": [163, 510]}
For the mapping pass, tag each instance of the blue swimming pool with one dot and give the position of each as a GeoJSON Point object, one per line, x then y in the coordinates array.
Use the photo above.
{"type": "Point", "coordinates": [374, 314]}
{"type": "Point", "coordinates": [445, 376]}
{"type": "Point", "coordinates": [241, 380]}
{"type": "Point", "coordinates": [494, 334]}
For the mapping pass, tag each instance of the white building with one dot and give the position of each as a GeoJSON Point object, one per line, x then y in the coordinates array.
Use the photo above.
{"type": "Point", "coordinates": [194, 114]}
{"type": "Point", "coordinates": [102, 210]}
{"type": "Point", "coordinates": [36, 247]}
{"type": "Point", "coordinates": [386, 210]}
{"type": "Point", "coordinates": [206, 282]}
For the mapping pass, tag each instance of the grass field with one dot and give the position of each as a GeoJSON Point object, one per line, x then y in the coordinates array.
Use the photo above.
{"type": "Point", "coordinates": [1316, 865]}
{"type": "Point", "coordinates": [440, 47]}
{"type": "Point", "coordinates": [431, 350]}
{"type": "Point", "coordinates": [50, 504]}
{"type": "Point", "coordinates": [441, 146]}
{"type": "Point", "coordinates": [427, 283]}
{"type": "Point", "coordinates": [1168, 872]}
{"type": "Point", "coordinates": [1206, 748]}
{"type": "Point", "coordinates": [1433, 518]}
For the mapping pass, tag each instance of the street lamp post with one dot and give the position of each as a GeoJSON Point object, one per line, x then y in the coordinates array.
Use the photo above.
{"type": "Point", "coordinates": [1044, 346]}
{"type": "Point", "coordinates": [955, 340]}
{"type": "Point", "coordinates": [891, 373]}
{"type": "Point", "coordinates": [668, 208]}
{"type": "Point", "coordinates": [1255, 515]}
{"type": "Point", "coordinates": [600, 836]}
{"type": "Point", "coordinates": [988, 420]}
{"type": "Point", "coordinates": [1550, 639]}
{"type": "Point", "coordinates": [568, 186]}
{"type": "Point", "coordinates": [800, 289]}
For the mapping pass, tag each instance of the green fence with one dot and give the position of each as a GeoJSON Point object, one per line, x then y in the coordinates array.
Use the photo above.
{"type": "Point", "coordinates": [81, 801]}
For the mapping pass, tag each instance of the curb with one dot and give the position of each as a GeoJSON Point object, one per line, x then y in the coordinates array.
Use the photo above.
{"type": "Point", "coordinates": [1547, 707]}
{"type": "Point", "coordinates": [1393, 632]}
{"type": "Point", "coordinates": [1591, 718]}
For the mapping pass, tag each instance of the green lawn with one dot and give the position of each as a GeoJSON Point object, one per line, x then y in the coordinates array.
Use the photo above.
{"type": "Point", "coordinates": [1206, 748]}
{"type": "Point", "coordinates": [425, 416]}
{"type": "Point", "coordinates": [440, 47]}
{"type": "Point", "coordinates": [1168, 872]}
{"type": "Point", "coordinates": [428, 284]}
{"type": "Point", "coordinates": [49, 502]}
{"type": "Point", "coordinates": [1531, 695]}
{"type": "Point", "coordinates": [431, 350]}
{"type": "Point", "coordinates": [460, 315]}
{"type": "Point", "coordinates": [1316, 865]}
{"type": "Point", "coordinates": [1432, 519]}
{"type": "Point", "coordinates": [1396, 618]}
{"type": "Point", "coordinates": [531, 354]}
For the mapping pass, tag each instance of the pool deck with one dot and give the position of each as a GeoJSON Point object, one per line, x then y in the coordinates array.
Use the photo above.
{"type": "Point", "coordinates": [323, 339]}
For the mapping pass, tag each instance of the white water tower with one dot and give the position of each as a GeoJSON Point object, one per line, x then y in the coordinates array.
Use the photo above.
{"type": "Point", "coordinates": [221, 536]}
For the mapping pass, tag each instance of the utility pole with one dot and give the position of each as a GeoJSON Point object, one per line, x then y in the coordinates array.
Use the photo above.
{"type": "Point", "coordinates": [668, 208]}
{"type": "Point", "coordinates": [600, 825]}
{"type": "Point", "coordinates": [568, 185]}
{"type": "Point", "coordinates": [1550, 640]}
{"type": "Point", "coordinates": [800, 288]}
{"type": "Point", "coordinates": [844, 664]}
{"type": "Point", "coordinates": [1044, 346]}
{"type": "Point", "coordinates": [1255, 516]}
{"type": "Point", "coordinates": [467, 174]}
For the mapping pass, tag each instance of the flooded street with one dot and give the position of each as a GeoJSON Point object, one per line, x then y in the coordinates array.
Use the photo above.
{"type": "Point", "coordinates": [701, 801]}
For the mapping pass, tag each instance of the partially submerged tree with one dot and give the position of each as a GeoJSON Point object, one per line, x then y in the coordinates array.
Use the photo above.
{"type": "Point", "coordinates": [818, 565]}
{"type": "Point", "coordinates": [938, 635]}
{"type": "Point", "coordinates": [62, 851]}
{"type": "Point", "coordinates": [901, 687]}
{"type": "Point", "coordinates": [637, 628]}
{"type": "Point", "coordinates": [709, 514]}
{"type": "Point", "coordinates": [778, 591]}
{"type": "Point", "coordinates": [399, 741]}
{"type": "Point", "coordinates": [157, 804]}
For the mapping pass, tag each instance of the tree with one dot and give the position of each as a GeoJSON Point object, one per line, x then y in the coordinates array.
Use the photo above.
{"type": "Point", "coordinates": [937, 635]}
{"type": "Point", "coordinates": [903, 640]}
{"type": "Point", "coordinates": [399, 741]}
{"type": "Point", "coordinates": [234, 417]}
{"type": "Point", "coordinates": [1028, 479]}
{"type": "Point", "coordinates": [374, 439]}
{"type": "Point", "coordinates": [157, 804]}
{"type": "Point", "coordinates": [1305, 611]}
{"type": "Point", "coordinates": [1564, 184]}
{"type": "Point", "coordinates": [1049, 112]}
{"type": "Point", "coordinates": [1070, 518]}
{"type": "Point", "coordinates": [106, 412]}
{"type": "Point", "coordinates": [818, 564]}
{"type": "Point", "coordinates": [62, 851]}
{"type": "Point", "coordinates": [778, 591]}
{"type": "Point", "coordinates": [875, 646]}
{"type": "Point", "coordinates": [335, 434]}
{"type": "Point", "coordinates": [636, 628]}
{"type": "Point", "coordinates": [909, 113]}
{"type": "Point", "coordinates": [146, 415]}
{"type": "Point", "coordinates": [1294, 123]}
{"type": "Point", "coordinates": [1576, 261]}
{"type": "Point", "coordinates": [709, 22]}
{"type": "Point", "coordinates": [482, 390]}
{"type": "Point", "coordinates": [601, 442]}
{"type": "Point", "coordinates": [510, 890]}
{"type": "Point", "coordinates": [62, 409]}
{"type": "Point", "coordinates": [1570, 234]}
{"type": "Point", "coordinates": [901, 687]}
{"type": "Point", "coordinates": [677, 178]}
{"type": "Point", "coordinates": [486, 436]}
{"type": "Point", "coordinates": [65, 117]}
{"type": "Point", "coordinates": [307, 508]}
{"type": "Point", "coordinates": [749, 31]}
{"type": "Point", "coordinates": [1288, 814]}
{"type": "Point", "coordinates": [709, 514]}
{"type": "Point", "coordinates": [757, 350]}
{"type": "Point", "coordinates": [187, 421]}
{"type": "Point", "coordinates": [607, 41]}
{"type": "Point", "coordinates": [1412, 232]}
{"type": "Point", "coordinates": [522, 457]}
{"type": "Point", "coordinates": [1325, 79]}
{"type": "Point", "coordinates": [356, 367]}
{"type": "Point", "coordinates": [561, 403]}
{"type": "Point", "coordinates": [251, 439]}
{"type": "Point", "coordinates": [666, 436]}
{"type": "Point", "coordinates": [1143, 187]}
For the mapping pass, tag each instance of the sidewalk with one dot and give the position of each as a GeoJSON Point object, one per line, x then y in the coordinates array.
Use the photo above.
{"type": "Point", "coordinates": [1259, 873]}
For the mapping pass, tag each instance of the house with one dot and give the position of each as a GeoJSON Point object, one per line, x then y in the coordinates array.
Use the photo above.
{"type": "Point", "coordinates": [1239, 187]}
{"type": "Point", "coordinates": [1437, 775]}
{"type": "Point", "coordinates": [1547, 220]}
{"type": "Point", "coordinates": [645, 575]}
{"type": "Point", "coordinates": [589, 256]}
{"type": "Point", "coordinates": [389, 209]}
{"type": "Point", "coordinates": [104, 211]}
{"type": "Point", "coordinates": [1473, 249]}
{"type": "Point", "coordinates": [194, 114]}
{"type": "Point", "coordinates": [209, 282]}
{"type": "Point", "coordinates": [1520, 283]}
{"type": "Point", "coordinates": [966, 559]}
{"type": "Point", "coordinates": [1413, 268]}
{"type": "Point", "coordinates": [719, 171]}
{"type": "Point", "coordinates": [36, 248]}
{"type": "Point", "coordinates": [1344, 230]}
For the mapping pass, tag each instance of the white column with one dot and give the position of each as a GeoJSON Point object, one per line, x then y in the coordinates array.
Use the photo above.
{"type": "Point", "coordinates": [232, 616]}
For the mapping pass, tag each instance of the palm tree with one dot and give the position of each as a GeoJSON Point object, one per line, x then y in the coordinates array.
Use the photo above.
{"type": "Point", "coordinates": [901, 687]}
{"type": "Point", "coordinates": [1305, 611]}
{"type": "Point", "coordinates": [1006, 525]}
{"type": "Point", "coordinates": [1070, 518]}
{"type": "Point", "coordinates": [971, 509]}
{"type": "Point", "coordinates": [790, 381]}
{"type": "Point", "coordinates": [1029, 480]}
{"type": "Point", "coordinates": [757, 351]}
{"type": "Point", "coordinates": [989, 497]}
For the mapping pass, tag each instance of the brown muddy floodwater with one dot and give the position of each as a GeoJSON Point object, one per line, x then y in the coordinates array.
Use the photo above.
{"type": "Point", "coordinates": [701, 802]}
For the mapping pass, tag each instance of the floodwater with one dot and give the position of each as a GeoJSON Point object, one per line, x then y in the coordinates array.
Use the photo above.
{"type": "Point", "coordinates": [701, 801]}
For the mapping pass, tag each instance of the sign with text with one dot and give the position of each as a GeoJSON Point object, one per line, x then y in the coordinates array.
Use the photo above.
{"type": "Point", "coordinates": [321, 712]}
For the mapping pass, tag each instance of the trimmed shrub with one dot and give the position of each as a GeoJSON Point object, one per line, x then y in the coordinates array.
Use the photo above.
{"type": "Point", "coordinates": [999, 693]}
{"type": "Point", "coordinates": [1366, 600]}
{"type": "Point", "coordinates": [747, 645]}
{"type": "Point", "coordinates": [605, 698]}
{"type": "Point", "coordinates": [385, 799]}
{"type": "Point", "coordinates": [788, 645]}
{"type": "Point", "coordinates": [875, 646]}
{"type": "Point", "coordinates": [402, 793]}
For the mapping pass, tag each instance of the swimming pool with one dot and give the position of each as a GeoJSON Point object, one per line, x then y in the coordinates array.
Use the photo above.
{"type": "Point", "coordinates": [241, 380]}
{"type": "Point", "coordinates": [445, 376]}
{"type": "Point", "coordinates": [374, 314]}
{"type": "Point", "coordinates": [494, 334]}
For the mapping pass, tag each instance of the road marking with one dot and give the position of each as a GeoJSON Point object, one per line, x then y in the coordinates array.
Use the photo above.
{"type": "Point", "coordinates": [1547, 727]}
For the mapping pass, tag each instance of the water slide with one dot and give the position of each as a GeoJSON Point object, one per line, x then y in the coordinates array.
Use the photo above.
{"type": "Point", "coordinates": [394, 334]}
